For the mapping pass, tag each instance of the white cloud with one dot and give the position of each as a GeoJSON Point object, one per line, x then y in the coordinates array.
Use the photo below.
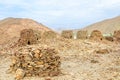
{"type": "Point", "coordinates": [55, 11]}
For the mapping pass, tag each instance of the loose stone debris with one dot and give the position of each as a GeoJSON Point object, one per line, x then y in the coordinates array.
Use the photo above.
{"type": "Point", "coordinates": [117, 35]}
{"type": "Point", "coordinates": [40, 62]}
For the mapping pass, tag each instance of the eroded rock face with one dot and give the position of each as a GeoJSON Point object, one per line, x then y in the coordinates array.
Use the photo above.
{"type": "Point", "coordinates": [41, 62]}
{"type": "Point", "coordinates": [27, 37]}
{"type": "Point", "coordinates": [96, 35]}
{"type": "Point", "coordinates": [117, 35]}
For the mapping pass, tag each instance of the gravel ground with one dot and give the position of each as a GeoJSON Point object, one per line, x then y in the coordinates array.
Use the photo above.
{"type": "Point", "coordinates": [78, 64]}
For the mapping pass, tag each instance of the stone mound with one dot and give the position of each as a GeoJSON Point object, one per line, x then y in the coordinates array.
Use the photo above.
{"type": "Point", "coordinates": [96, 35]}
{"type": "Point", "coordinates": [42, 62]}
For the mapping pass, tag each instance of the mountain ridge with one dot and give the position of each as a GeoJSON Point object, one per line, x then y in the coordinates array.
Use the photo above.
{"type": "Point", "coordinates": [11, 27]}
{"type": "Point", "coordinates": [106, 26]}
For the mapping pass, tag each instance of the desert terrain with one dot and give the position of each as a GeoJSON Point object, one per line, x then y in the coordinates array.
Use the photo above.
{"type": "Point", "coordinates": [80, 59]}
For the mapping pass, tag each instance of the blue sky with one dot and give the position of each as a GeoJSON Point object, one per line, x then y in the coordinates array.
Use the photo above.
{"type": "Point", "coordinates": [61, 14]}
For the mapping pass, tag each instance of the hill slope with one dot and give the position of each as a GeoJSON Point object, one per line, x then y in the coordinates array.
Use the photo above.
{"type": "Point", "coordinates": [10, 28]}
{"type": "Point", "coordinates": [106, 26]}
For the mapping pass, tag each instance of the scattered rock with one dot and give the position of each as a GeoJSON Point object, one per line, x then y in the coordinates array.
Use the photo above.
{"type": "Point", "coordinates": [94, 61]}
{"type": "Point", "coordinates": [102, 51]}
{"type": "Point", "coordinates": [20, 73]}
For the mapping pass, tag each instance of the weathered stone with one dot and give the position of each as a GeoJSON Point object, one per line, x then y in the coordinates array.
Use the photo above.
{"type": "Point", "coordinates": [82, 34]}
{"type": "Point", "coordinates": [109, 38]}
{"type": "Point", "coordinates": [102, 51]}
{"type": "Point", "coordinates": [96, 35]}
{"type": "Point", "coordinates": [67, 34]}
{"type": "Point", "coordinates": [49, 35]}
{"type": "Point", "coordinates": [27, 37]}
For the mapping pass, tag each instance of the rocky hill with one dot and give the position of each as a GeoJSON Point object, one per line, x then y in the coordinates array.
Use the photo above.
{"type": "Point", "coordinates": [10, 28]}
{"type": "Point", "coordinates": [106, 26]}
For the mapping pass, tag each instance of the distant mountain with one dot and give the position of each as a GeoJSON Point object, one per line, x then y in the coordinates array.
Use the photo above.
{"type": "Point", "coordinates": [106, 26]}
{"type": "Point", "coordinates": [10, 28]}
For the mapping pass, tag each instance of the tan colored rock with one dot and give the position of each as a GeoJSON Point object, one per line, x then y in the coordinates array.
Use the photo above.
{"type": "Point", "coordinates": [67, 34]}
{"type": "Point", "coordinates": [43, 62]}
{"type": "Point", "coordinates": [96, 35]}
{"type": "Point", "coordinates": [117, 35]}
{"type": "Point", "coordinates": [102, 51]}
{"type": "Point", "coordinates": [109, 38]}
{"type": "Point", "coordinates": [82, 34]}
{"type": "Point", "coordinates": [49, 35]}
{"type": "Point", "coordinates": [19, 74]}
{"type": "Point", "coordinates": [27, 37]}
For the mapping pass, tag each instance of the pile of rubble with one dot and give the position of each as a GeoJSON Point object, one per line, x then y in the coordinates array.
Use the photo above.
{"type": "Point", "coordinates": [35, 62]}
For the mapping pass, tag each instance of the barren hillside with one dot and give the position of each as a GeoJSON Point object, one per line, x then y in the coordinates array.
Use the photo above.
{"type": "Point", "coordinates": [106, 26]}
{"type": "Point", "coordinates": [10, 28]}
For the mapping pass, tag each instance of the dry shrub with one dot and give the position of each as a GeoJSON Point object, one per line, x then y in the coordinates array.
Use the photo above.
{"type": "Point", "coordinates": [27, 37]}
{"type": "Point", "coordinates": [96, 35]}
{"type": "Point", "coordinates": [82, 34]}
{"type": "Point", "coordinates": [117, 35]}
{"type": "Point", "coordinates": [41, 62]}
{"type": "Point", "coordinates": [49, 35]}
{"type": "Point", "coordinates": [67, 34]}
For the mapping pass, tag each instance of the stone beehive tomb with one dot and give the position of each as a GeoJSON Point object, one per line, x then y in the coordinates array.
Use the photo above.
{"type": "Point", "coordinates": [116, 35]}
{"type": "Point", "coordinates": [96, 35]}
{"type": "Point", "coordinates": [82, 34]}
{"type": "Point", "coordinates": [27, 37]}
{"type": "Point", "coordinates": [67, 34]}
{"type": "Point", "coordinates": [49, 35]}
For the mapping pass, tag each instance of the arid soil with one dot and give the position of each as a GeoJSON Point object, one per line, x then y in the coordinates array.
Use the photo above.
{"type": "Point", "coordinates": [80, 60]}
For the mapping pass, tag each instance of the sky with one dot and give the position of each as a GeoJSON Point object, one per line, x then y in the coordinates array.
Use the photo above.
{"type": "Point", "coordinates": [61, 14]}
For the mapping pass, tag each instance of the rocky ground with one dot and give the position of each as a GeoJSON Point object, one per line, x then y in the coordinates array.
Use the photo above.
{"type": "Point", "coordinates": [81, 60]}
